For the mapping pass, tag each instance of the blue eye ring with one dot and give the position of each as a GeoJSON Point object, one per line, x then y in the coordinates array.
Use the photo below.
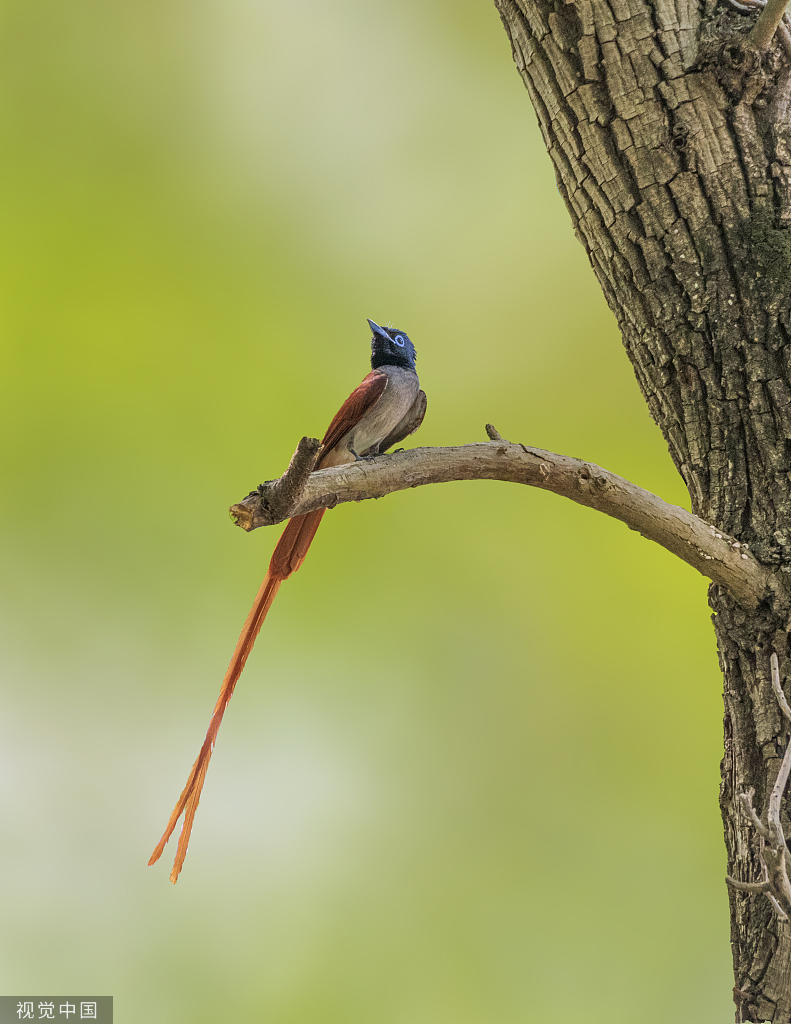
{"type": "Point", "coordinates": [399, 341]}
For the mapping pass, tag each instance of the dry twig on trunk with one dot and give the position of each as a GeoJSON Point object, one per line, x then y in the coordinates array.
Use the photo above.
{"type": "Point", "coordinates": [773, 854]}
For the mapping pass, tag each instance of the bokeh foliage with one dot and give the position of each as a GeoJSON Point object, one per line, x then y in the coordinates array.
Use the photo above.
{"type": "Point", "coordinates": [470, 773]}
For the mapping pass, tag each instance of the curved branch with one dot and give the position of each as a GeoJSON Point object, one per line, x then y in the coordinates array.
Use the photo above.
{"type": "Point", "coordinates": [716, 555]}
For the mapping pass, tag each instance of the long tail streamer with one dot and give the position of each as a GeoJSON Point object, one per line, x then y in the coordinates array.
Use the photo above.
{"type": "Point", "coordinates": [287, 557]}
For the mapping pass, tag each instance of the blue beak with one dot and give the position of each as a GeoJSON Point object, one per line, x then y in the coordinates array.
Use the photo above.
{"type": "Point", "coordinates": [378, 330]}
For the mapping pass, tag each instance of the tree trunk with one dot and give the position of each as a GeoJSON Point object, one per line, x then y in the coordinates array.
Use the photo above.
{"type": "Point", "coordinates": [669, 132]}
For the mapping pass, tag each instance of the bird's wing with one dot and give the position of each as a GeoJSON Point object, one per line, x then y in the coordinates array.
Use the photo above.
{"type": "Point", "coordinates": [353, 409]}
{"type": "Point", "coordinates": [408, 424]}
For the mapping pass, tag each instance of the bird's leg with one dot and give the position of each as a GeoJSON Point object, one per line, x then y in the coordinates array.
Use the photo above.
{"type": "Point", "coordinates": [370, 453]}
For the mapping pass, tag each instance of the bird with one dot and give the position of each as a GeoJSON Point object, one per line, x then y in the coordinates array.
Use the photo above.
{"type": "Point", "coordinates": [386, 407]}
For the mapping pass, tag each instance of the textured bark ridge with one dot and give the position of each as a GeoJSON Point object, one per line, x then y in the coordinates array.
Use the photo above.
{"type": "Point", "coordinates": [669, 132]}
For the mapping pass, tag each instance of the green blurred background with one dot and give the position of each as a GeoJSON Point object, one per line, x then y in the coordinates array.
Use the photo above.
{"type": "Point", "coordinates": [470, 773]}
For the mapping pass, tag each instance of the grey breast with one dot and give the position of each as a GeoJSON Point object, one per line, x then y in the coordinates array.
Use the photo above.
{"type": "Point", "coordinates": [393, 405]}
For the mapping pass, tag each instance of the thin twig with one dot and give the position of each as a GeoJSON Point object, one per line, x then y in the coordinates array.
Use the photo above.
{"type": "Point", "coordinates": [773, 853]}
{"type": "Point", "coordinates": [755, 821]}
{"type": "Point", "coordinates": [783, 26]}
{"type": "Point", "coordinates": [764, 29]}
{"type": "Point", "coordinates": [717, 556]}
{"type": "Point", "coordinates": [775, 859]}
{"type": "Point", "coordinates": [785, 767]}
{"type": "Point", "coordinates": [778, 689]}
{"type": "Point", "coordinates": [784, 35]}
{"type": "Point", "coordinates": [748, 886]}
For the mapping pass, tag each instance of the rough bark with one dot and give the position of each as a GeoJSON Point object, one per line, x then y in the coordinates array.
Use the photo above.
{"type": "Point", "coordinates": [669, 132]}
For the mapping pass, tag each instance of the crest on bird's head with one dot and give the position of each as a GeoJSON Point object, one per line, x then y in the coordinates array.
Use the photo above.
{"type": "Point", "coordinates": [391, 346]}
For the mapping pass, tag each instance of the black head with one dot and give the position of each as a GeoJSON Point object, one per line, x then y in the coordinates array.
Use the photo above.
{"type": "Point", "coordinates": [391, 347]}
